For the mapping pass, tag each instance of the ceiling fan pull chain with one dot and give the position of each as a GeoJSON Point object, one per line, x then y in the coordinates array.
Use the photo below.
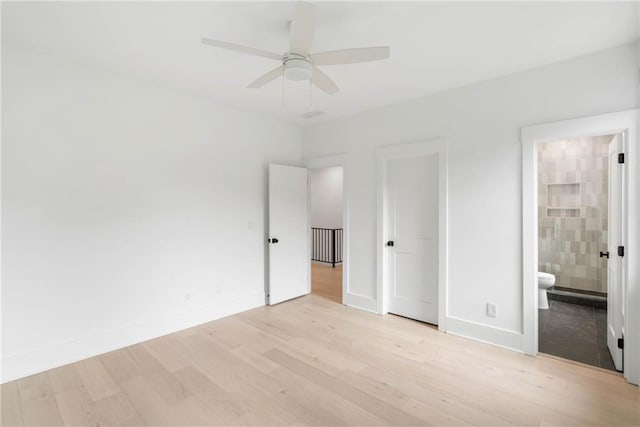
{"type": "Point", "coordinates": [282, 92]}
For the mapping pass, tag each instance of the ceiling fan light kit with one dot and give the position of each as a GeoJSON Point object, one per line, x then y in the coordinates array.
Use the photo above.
{"type": "Point", "coordinates": [299, 64]}
{"type": "Point", "coordinates": [297, 67]}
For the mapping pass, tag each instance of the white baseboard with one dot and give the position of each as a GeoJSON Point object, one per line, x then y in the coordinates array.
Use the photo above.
{"type": "Point", "coordinates": [22, 365]}
{"type": "Point", "coordinates": [360, 301]}
{"type": "Point", "coordinates": [488, 334]}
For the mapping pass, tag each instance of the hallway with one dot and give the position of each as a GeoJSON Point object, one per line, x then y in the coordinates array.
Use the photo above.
{"type": "Point", "coordinates": [326, 281]}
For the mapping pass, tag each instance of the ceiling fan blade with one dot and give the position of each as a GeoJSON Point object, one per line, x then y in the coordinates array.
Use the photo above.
{"type": "Point", "coordinates": [323, 82]}
{"type": "Point", "coordinates": [263, 80]}
{"type": "Point", "coordinates": [243, 49]}
{"type": "Point", "coordinates": [303, 26]}
{"type": "Point", "coordinates": [350, 56]}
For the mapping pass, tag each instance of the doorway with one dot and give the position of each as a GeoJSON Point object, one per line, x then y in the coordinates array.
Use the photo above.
{"type": "Point", "coordinates": [412, 231]}
{"type": "Point", "coordinates": [622, 269]}
{"type": "Point", "coordinates": [579, 220]}
{"type": "Point", "coordinates": [326, 212]}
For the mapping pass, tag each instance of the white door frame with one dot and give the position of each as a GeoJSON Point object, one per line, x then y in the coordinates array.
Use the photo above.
{"type": "Point", "coordinates": [626, 123]}
{"type": "Point", "coordinates": [384, 154]}
{"type": "Point", "coordinates": [327, 162]}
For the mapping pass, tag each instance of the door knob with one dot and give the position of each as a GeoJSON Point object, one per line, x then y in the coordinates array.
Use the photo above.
{"type": "Point", "coordinates": [390, 243]}
{"type": "Point", "coordinates": [604, 254]}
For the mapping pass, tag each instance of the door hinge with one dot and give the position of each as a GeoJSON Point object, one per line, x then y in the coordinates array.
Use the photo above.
{"type": "Point", "coordinates": [620, 157]}
{"type": "Point", "coordinates": [620, 250]}
{"type": "Point", "coordinates": [621, 343]}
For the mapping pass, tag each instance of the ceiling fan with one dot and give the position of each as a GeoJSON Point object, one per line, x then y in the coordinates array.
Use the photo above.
{"type": "Point", "coordinates": [298, 63]}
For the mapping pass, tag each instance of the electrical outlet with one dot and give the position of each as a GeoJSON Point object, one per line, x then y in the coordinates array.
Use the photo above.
{"type": "Point", "coordinates": [187, 296]}
{"type": "Point", "coordinates": [492, 310]}
{"type": "Point", "coordinates": [218, 290]}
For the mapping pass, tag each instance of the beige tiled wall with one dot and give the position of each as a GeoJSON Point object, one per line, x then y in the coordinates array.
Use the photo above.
{"type": "Point", "coordinates": [572, 211]}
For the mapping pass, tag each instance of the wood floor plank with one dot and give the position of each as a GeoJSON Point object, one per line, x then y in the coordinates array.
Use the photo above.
{"type": "Point", "coordinates": [196, 381]}
{"type": "Point", "coordinates": [326, 281]}
{"type": "Point", "coordinates": [229, 332]}
{"type": "Point", "coordinates": [116, 411]}
{"type": "Point", "coordinates": [144, 361]}
{"type": "Point", "coordinates": [120, 365]}
{"type": "Point", "coordinates": [366, 401]}
{"type": "Point", "coordinates": [76, 407]}
{"type": "Point", "coordinates": [311, 361]}
{"type": "Point", "coordinates": [38, 402]}
{"type": "Point", "coordinates": [168, 386]}
{"type": "Point", "coordinates": [146, 401]}
{"type": "Point", "coordinates": [10, 407]}
{"type": "Point", "coordinates": [65, 378]}
{"type": "Point", "coordinates": [435, 395]}
{"type": "Point", "coordinates": [96, 379]}
{"type": "Point", "coordinates": [245, 403]}
{"type": "Point", "coordinates": [256, 360]}
{"type": "Point", "coordinates": [433, 414]}
{"type": "Point", "coordinates": [315, 397]}
{"type": "Point", "coordinates": [168, 351]}
{"type": "Point", "coordinates": [313, 350]}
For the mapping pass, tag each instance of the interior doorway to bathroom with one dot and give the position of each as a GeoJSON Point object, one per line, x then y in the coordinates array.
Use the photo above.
{"type": "Point", "coordinates": [326, 195]}
{"type": "Point", "coordinates": [580, 310]}
{"type": "Point", "coordinates": [621, 264]}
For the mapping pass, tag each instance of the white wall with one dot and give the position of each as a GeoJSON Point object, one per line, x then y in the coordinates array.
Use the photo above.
{"type": "Point", "coordinates": [482, 123]}
{"type": "Point", "coordinates": [128, 210]}
{"type": "Point", "coordinates": [325, 193]}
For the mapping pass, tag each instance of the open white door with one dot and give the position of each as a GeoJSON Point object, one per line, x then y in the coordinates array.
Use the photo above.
{"type": "Point", "coordinates": [288, 259]}
{"type": "Point", "coordinates": [412, 213]}
{"type": "Point", "coordinates": [615, 288]}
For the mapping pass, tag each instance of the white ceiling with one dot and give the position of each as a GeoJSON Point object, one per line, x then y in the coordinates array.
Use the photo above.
{"type": "Point", "coordinates": [434, 46]}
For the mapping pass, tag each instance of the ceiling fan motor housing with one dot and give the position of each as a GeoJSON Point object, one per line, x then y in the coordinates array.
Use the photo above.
{"type": "Point", "coordinates": [297, 67]}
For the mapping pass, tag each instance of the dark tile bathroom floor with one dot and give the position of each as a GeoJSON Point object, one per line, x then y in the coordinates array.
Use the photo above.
{"type": "Point", "coordinates": [574, 332]}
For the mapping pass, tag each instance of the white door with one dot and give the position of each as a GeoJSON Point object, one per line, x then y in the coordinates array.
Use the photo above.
{"type": "Point", "coordinates": [288, 260]}
{"type": "Point", "coordinates": [615, 289]}
{"type": "Point", "coordinates": [412, 236]}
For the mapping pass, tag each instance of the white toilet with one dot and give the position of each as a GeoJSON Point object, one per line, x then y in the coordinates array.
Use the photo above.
{"type": "Point", "coordinates": [545, 281]}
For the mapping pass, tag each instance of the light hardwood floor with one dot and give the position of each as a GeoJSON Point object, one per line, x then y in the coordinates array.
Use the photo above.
{"type": "Point", "coordinates": [312, 361]}
{"type": "Point", "coordinates": [326, 281]}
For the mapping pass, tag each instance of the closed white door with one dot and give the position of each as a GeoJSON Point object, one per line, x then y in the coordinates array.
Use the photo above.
{"type": "Point", "coordinates": [615, 288]}
{"type": "Point", "coordinates": [288, 260]}
{"type": "Point", "coordinates": [412, 236]}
